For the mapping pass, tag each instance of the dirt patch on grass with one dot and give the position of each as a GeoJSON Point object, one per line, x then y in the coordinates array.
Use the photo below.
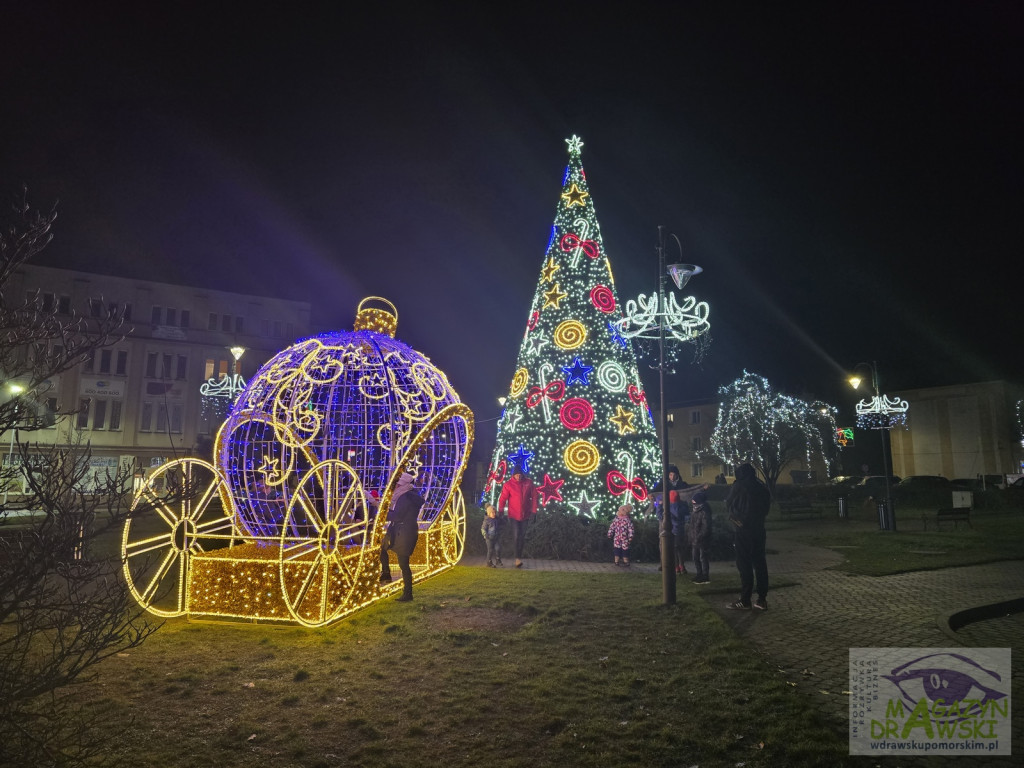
{"type": "Point", "coordinates": [465, 618]}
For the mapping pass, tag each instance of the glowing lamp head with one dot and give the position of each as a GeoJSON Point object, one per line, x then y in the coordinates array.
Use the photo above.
{"type": "Point", "coordinates": [855, 381]}
{"type": "Point", "coordinates": [681, 273]}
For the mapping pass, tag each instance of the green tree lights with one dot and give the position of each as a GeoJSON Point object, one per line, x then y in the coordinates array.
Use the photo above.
{"type": "Point", "coordinates": [576, 418]}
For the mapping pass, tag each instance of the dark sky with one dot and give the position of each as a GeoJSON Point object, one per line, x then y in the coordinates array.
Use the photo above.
{"type": "Point", "coordinates": [848, 175]}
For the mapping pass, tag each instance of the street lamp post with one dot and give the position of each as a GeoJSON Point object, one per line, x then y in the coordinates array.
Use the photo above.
{"type": "Point", "coordinates": [659, 317]}
{"type": "Point", "coordinates": [15, 390]}
{"type": "Point", "coordinates": [880, 406]}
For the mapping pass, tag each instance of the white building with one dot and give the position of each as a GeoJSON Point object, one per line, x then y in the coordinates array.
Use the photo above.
{"type": "Point", "coordinates": [140, 399]}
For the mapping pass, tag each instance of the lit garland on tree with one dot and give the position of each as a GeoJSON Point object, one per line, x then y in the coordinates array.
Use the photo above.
{"type": "Point", "coordinates": [576, 418]}
{"type": "Point", "coordinates": [770, 430]}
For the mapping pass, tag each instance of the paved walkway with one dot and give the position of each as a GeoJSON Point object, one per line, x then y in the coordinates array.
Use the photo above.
{"type": "Point", "coordinates": [816, 614]}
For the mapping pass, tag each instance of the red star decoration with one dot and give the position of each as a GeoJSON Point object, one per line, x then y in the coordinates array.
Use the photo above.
{"type": "Point", "coordinates": [550, 489]}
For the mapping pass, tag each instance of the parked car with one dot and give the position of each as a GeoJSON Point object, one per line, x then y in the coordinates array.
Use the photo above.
{"type": "Point", "coordinates": [846, 481]}
{"type": "Point", "coordinates": [1018, 483]}
{"type": "Point", "coordinates": [989, 483]}
{"type": "Point", "coordinates": [923, 482]}
{"type": "Point", "coordinates": [874, 485]}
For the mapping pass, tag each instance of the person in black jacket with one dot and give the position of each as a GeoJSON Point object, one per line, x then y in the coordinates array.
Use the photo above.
{"type": "Point", "coordinates": [747, 505]}
{"type": "Point", "coordinates": [403, 530]}
{"type": "Point", "coordinates": [678, 511]}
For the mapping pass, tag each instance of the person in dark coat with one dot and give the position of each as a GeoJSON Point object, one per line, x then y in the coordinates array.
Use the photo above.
{"type": "Point", "coordinates": [747, 505]}
{"type": "Point", "coordinates": [402, 533]}
{"type": "Point", "coordinates": [518, 500]}
{"type": "Point", "coordinates": [699, 530]}
{"type": "Point", "coordinates": [678, 509]}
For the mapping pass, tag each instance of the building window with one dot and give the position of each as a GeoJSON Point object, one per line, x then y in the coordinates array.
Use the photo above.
{"type": "Point", "coordinates": [264, 327]}
{"type": "Point", "coordinates": [165, 369]}
{"type": "Point", "coordinates": [695, 443]}
{"type": "Point", "coordinates": [161, 418]}
{"type": "Point", "coordinates": [90, 362]}
{"type": "Point", "coordinates": [151, 365]}
{"type": "Point", "coordinates": [176, 418]}
{"type": "Point", "coordinates": [289, 330]}
{"type": "Point", "coordinates": [122, 363]}
{"type": "Point", "coordinates": [182, 368]}
{"type": "Point", "coordinates": [105, 357]}
{"type": "Point", "coordinates": [696, 470]}
{"type": "Point", "coordinates": [239, 325]}
{"type": "Point", "coordinates": [171, 316]}
{"type": "Point", "coordinates": [115, 414]}
{"type": "Point", "coordinates": [50, 414]}
{"type": "Point", "coordinates": [212, 325]}
{"type": "Point", "coordinates": [278, 329]}
{"type": "Point", "coordinates": [99, 414]}
{"type": "Point", "coordinates": [695, 417]}
{"type": "Point", "coordinates": [64, 305]}
{"type": "Point", "coordinates": [225, 323]}
{"type": "Point", "coordinates": [96, 307]}
{"type": "Point", "coordinates": [127, 312]}
{"type": "Point", "coordinates": [147, 417]}
{"type": "Point", "coordinates": [185, 318]}
{"type": "Point", "coordinates": [155, 317]}
{"type": "Point", "coordinates": [82, 420]}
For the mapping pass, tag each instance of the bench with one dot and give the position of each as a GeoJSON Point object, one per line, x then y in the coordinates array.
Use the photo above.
{"type": "Point", "coordinates": [794, 507]}
{"type": "Point", "coordinates": [949, 515]}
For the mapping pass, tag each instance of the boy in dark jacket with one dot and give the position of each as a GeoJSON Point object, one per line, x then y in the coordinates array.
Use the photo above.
{"type": "Point", "coordinates": [700, 537]}
{"type": "Point", "coordinates": [491, 531]}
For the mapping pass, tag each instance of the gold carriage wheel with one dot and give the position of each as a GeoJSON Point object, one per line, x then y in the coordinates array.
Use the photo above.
{"type": "Point", "coordinates": [322, 542]}
{"type": "Point", "coordinates": [173, 514]}
{"type": "Point", "coordinates": [452, 528]}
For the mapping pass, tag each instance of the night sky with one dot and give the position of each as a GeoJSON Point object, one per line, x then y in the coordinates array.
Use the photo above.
{"type": "Point", "coordinates": [848, 176]}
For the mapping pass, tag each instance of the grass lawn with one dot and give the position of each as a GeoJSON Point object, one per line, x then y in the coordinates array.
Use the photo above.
{"type": "Point", "coordinates": [868, 551]}
{"type": "Point", "coordinates": [485, 668]}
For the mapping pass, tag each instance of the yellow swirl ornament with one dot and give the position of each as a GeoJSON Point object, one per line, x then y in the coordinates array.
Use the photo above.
{"type": "Point", "coordinates": [581, 457]}
{"type": "Point", "coordinates": [570, 334]}
{"type": "Point", "coordinates": [519, 382]}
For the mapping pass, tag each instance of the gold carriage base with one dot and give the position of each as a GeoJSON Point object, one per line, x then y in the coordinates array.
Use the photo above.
{"type": "Point", "coordinates": [183, 556]}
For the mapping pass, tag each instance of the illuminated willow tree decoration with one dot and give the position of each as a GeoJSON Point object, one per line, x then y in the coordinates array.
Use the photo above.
{"type": "Point", "coordinates": [771, 430]}
{"type": "Point", "coordinates": [576, 417]}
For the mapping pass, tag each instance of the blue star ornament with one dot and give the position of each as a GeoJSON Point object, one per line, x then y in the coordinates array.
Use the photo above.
{"type": "Point", "coordinates": [616, 336]}
{"type": "Point", "coordinates": [577, 373]}
{"type": "Point", "coordinates": [520, 459]}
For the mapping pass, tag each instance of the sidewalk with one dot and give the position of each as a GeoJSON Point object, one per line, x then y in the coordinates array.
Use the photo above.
{"type": "Point", "coordinates": [816, 615]}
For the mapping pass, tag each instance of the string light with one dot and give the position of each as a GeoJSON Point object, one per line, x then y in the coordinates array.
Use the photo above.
{"type": "Point", "coordinates": [577, 422]}
{"type": "Point", "coordinates": [324, 426]}
{"type": "Point", "coordinates": [882, 412]}
{"type": "Point", "coordinates": [765, 428]}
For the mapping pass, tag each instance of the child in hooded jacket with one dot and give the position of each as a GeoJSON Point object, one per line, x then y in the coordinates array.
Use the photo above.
{"type": "Point", "coordinates": [491, 531]}
{"type": "Point", "coordinates": [699, 530]}
{"type": "Point", "coordinates": [621, 534]}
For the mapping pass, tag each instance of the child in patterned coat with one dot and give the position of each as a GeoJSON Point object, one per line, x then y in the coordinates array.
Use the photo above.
{"type": "Point", "coordinates": [621, 533]}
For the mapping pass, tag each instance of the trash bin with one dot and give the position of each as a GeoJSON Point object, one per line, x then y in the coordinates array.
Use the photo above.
{"type": "Point", "coordinates": [843, 510]}
{"type": "Point", "coordinates": [886, 516]}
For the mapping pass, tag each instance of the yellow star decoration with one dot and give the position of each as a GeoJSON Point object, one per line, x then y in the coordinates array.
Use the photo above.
{"type": "Point", "coordinates": [552, 297]}
{"type": "Point", "coordinates": [623, 419]}
{"type": "Point", "coordinates": [575, 196]}
{"type": "Point", "coordinates": [271, 470]}
{"type": "Point", "coordinates": [548, 273]}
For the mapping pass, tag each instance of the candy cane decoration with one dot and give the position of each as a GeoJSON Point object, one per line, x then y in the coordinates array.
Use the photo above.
{"type": "Point", "coordinates": [626, 458]}
{"type": "Point", "coordinates": [584, 229]}
{"type": "Point", "coordinates": [545, 402]}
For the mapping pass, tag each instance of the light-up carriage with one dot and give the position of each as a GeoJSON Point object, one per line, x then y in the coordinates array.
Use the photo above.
{"type": "Point", "coordinates": [288, 525]}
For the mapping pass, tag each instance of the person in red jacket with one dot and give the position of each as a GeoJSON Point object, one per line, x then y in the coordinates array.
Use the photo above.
{"type": "Point", "coordinates": [519, 498]}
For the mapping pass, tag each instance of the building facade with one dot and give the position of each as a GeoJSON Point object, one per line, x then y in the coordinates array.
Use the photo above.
{"type": "Point", "coordinates": [961, 431]}
{"type": "Point", "coordinates": [139, 400]}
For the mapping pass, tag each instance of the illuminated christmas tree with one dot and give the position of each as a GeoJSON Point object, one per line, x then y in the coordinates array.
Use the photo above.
{"type": "Point", "coordinates": [576, 418]}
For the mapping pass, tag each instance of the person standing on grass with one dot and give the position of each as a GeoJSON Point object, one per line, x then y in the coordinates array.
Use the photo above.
{"type": "Point", "coordinates": [491, 531]}
{"type": "Point", "coordinates": [677, 515]}
{"type": "Point", "coordinates": [403, 530]}
{"type": "Point", "coordinates": [519, 500]}
{"type": "Point", "coordinates": [747, 505]}
{"type": "Point", "coordinates": [699, 531]}
{"type": "Point", "coordinates": [621, 533]}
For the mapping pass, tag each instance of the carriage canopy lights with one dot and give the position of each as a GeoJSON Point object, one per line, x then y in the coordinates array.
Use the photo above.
{"type": "Point", "coordinates": [286, 524]}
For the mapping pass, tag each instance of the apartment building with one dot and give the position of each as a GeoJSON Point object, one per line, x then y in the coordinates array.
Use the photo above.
{"type": "Point", "coordinates": [139, 400]}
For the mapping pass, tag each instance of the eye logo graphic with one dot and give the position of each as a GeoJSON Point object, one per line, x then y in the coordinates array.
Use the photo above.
{"type": "Point", "coordinates": [936, 701]}
{"type": "Point", "coordinates": [947, 678]}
